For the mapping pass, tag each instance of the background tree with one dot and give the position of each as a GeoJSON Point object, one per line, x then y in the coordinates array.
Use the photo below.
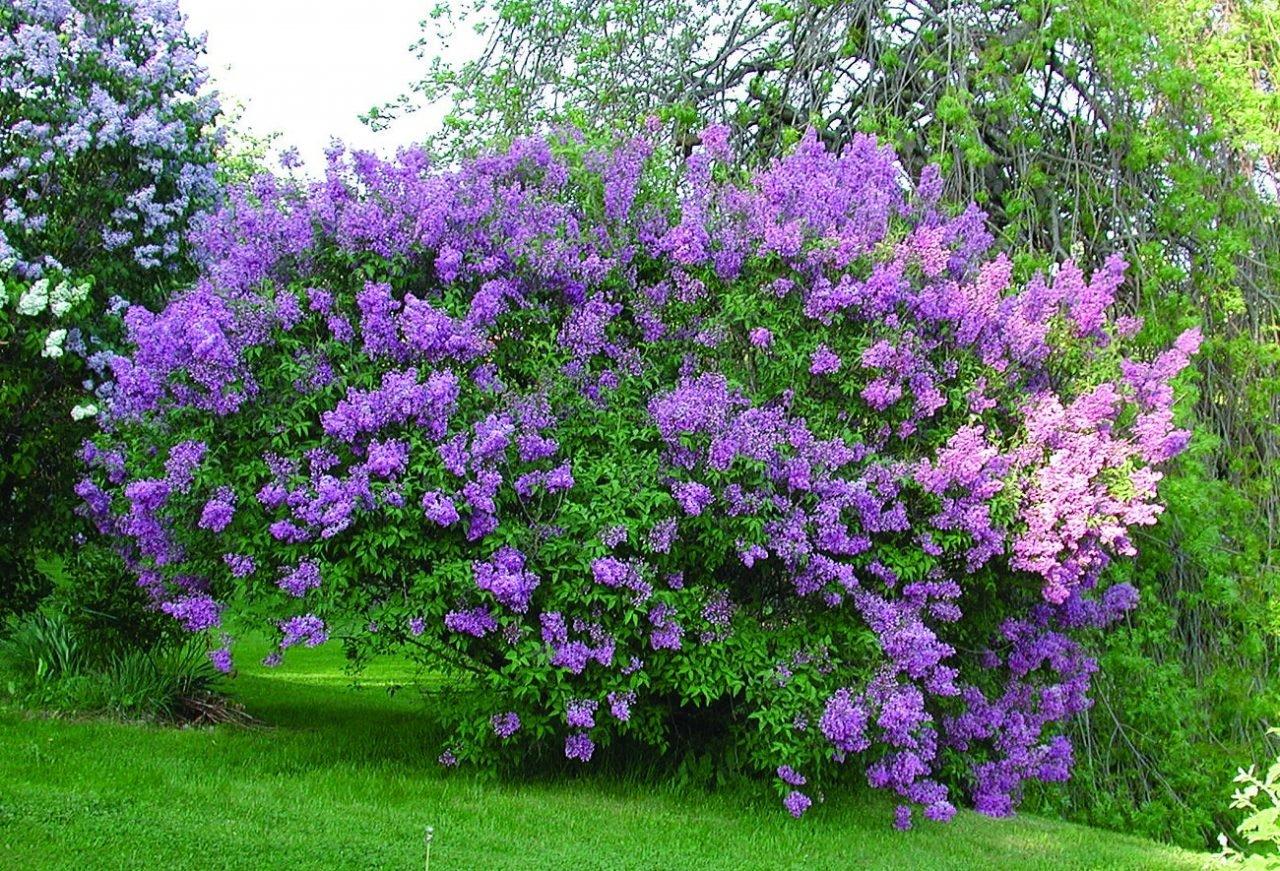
{"type": "Point", "coordinates": [1082, 128]}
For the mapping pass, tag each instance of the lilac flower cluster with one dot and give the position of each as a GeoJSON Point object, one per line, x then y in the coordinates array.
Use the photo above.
{"type": "Point", "coordinates": [83, 83]}
{"type": "Point", "coordinates": [590, 456]}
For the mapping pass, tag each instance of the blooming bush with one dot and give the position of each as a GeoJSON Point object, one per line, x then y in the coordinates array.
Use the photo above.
{"type": "Point", "coordinates": [783, 449]}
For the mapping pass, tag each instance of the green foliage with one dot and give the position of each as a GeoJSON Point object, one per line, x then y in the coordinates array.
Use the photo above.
{"type": "Point", "coordinates": [45, 664]}
{"type": "Point", "coordinates": [92, 644]}
{"type": "Point", "coordinates": [1260, 829]}
{"type": "Point", "coordinates": [39, 649]}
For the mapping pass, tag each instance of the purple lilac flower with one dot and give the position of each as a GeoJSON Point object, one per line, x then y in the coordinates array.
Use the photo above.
{"type": "Point", "coordinates": [692, 496]}
{"type": "Point", "coordinates": [184, 459]}
{"type": "Point", "coordinates": [666, 633]}
{"type": "Point", "coordinates": [221, 659]}
{"type": "Point", "coordinates": [824, 361]}
{"type": "Point", "coordinates": [560, 478]}
{"type": "Point", "coordinates": [505, 725]}
{"type": "Point", "coordinates": [505, 576]}
{"type": "Point", "coordinates": [797, 803]}
{"type": "Point", "coordinates": [620, 705]}
{"type": "Point", "coordinates": [578, 746]}
{"type": "Point", "coordinates": [662, 535]}
{"type": "Point", "coordinates": [581, 713]}
{"type": "Point", "coordinates": [439, 508]}
{"type": "Point", "coordinates": [844, 723]}
{"type": "Point", "coordinates": [302, 578]}
{"type": "Point", "coordinates": [476, 621]}
{"type": "Point", "coordinates": [196, 613]}
{"type": "Point", "coordinates": [241, 566]}
{"type": "Point", "coordinates": [306, 629]}
{"type": "Point", "coordinates": [790, 776]}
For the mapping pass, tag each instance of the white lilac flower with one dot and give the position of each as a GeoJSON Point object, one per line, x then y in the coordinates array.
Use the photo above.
{"type": "Point", "coordinates": [60, 299]}
{"type": "Point", "coordinates": [80, 412]}
{"type": "Point", "coordinates": [53, 344]}
{"type": "Point", "coordinates": [34, 300]}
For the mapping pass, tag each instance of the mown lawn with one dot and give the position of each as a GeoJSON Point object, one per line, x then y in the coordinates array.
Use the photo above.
{"type": "Point", "coordinates": [347, 779]}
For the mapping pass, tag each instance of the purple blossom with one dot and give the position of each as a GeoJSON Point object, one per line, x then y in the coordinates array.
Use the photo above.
{"type": "Point", "coordinates": [505, 576]}
{"type": "Point", "coordinates": [790, 776]}
{"type": "Point", "coordinates": [844, 723]}
{"type": "Point", "coordinates": [305, 576]}
{"type": "Point", "coordinates": [306, 629]}
{"type": "Point", "coordinates": [218, 511]}
{"type": "Point", "coordinates": [620, 705]}
{"type": "Point", "coordinates": [439, 508]}
{"type": "Point", "coordinates": [692, 496]}
{"type": "Point", "coordinates": [578, 746]}
{"type": "Point", "coordinates": [663, 535]}
{"type": "Point", "coordinates": [797, 803]}
{"type": "Point", "coordinates": [505, 725]}
{"type": "Point", "coordinates": [241, 566]}
{"type": "Point", "coordinates": [221, 659]}
{"type": "Point", "coordinates": [196, 613]}
{"type": "Point", "coordinates": [824, 361]}
{"type": "Point", "coordinates": [476, 621]}
{"type": "Point", "coordinates": [581, 713]}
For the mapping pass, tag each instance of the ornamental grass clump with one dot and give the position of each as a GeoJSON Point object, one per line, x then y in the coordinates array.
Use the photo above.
{"type": "Point", "coordinates": [784, 448]}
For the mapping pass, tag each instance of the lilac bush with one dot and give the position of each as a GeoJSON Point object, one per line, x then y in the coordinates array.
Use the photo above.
{"type": "Point", "coordinates": [785, 449]}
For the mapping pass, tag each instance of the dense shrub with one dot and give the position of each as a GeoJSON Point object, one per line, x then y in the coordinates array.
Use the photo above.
{"type": "Point", "coordinates": [782, 451]}
{"type": "Point", "coordinates": [49, 661]}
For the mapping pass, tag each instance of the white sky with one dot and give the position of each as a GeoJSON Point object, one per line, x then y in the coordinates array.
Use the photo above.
{"type": "Point", "coordinates": [309, 68]}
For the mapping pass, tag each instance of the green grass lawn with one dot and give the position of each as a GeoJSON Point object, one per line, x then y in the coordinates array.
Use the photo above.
{"type": "Point", "coordinates": [347, 778]}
